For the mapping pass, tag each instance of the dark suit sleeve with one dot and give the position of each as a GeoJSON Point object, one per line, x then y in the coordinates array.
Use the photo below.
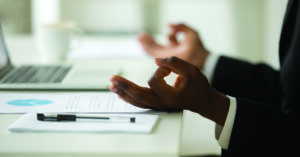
{"type": "Point", "coordinates": [241, 79]}
{"type": "Point", "coordinates": [261, 130]}
{"type": "Point", "coordinates": [260, 126]}
{"type": "Point", "coordinates": [267, 112]}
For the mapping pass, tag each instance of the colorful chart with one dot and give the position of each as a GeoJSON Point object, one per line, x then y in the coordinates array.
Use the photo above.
{"type": "Point", "coordinates": [29, 102]}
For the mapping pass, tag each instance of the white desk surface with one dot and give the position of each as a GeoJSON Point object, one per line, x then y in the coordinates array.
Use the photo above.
{"type": "Point", "coordinates": [163, 141]}
{"type": "Point", "coordinates": [176, 134]}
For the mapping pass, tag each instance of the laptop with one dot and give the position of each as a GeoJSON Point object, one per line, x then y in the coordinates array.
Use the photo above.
{"type": "Point", "coordinates": [51, 77]}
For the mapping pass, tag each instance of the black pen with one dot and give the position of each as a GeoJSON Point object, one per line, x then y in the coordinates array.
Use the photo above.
{"type": "Point", "coordinates": [74, 117]}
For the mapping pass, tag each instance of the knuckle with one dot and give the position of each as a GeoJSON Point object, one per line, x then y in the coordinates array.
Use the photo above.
{"type": "Point", "coordinates": [172, 59]}
{"type": "Point", "coordinates": [182, 24]}
{"type": "Point", "coordinates": [194, 70]}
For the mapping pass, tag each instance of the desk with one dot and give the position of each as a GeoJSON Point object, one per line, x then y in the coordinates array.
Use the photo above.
{"type": "Point", "coordinates": [163, 141]}
{"type": "Point", "coordinates": [170, 137]}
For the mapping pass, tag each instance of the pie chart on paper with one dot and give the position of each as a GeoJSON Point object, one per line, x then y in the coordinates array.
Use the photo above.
{"type": "Point", "coordinates": [29, 102]}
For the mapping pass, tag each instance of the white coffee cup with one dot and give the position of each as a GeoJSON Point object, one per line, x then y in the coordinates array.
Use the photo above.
{"type": "Point", "coordinates": [57, 39]}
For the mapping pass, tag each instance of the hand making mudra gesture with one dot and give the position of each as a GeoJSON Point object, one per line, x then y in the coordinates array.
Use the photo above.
{"type": "Point", "coordinates": [191, 90]}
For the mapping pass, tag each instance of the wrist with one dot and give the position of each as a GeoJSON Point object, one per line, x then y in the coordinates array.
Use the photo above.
{"type": "Point", "coordinates": [218, 108]}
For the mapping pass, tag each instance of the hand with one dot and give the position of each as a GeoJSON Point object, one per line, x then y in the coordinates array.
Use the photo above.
{"type": "Point", "coordinates": [190, 49]}
{"type": "Point", "coordinates": [191, 91]}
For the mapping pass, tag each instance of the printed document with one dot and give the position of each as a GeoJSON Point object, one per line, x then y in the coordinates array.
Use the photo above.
{"type": "Point", "coordinates": [83, 102]}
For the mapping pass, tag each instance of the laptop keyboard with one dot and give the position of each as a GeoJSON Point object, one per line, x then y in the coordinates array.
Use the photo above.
{"type": "Point", "coordinates": [38, 74]}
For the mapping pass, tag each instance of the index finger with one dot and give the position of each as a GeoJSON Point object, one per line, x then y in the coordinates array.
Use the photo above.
{"type": "Point", "coordinates": [159, 85]}
{"type": "Point", "coordinates": [177, 65]}
{"type": "Point", "coordinates": [181, 28]}
{"type": "Point", "coordinates": [139, 94]}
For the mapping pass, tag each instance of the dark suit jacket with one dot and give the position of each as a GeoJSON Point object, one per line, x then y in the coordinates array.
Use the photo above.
{"type": "Point", "coordinates": [268, 101]}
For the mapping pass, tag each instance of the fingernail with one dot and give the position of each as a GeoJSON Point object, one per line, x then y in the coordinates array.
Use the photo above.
{"type": "Point", "coordinates": [114, 82]}
{"type": "Point", "coordinates": [114, 89]}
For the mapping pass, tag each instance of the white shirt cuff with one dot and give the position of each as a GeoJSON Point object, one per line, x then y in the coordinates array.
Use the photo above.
{"type": "Point", "coordinates": [210, 65]}
{"type": "Point", "coordinates": [223, 134]}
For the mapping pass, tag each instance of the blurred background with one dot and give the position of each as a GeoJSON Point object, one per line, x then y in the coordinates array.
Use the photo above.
{"type": "Point", "coordinates": [247, 29]}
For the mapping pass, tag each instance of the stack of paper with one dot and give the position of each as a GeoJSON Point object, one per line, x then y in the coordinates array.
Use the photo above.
{"type": "Point", "coordinates": [29, 123]}
{"type": "Point", "coordinates": [74, 102]}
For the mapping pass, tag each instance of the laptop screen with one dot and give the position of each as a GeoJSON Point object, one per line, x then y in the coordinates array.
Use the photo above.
{"type": "Point", "coordinates": [3, 54]}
